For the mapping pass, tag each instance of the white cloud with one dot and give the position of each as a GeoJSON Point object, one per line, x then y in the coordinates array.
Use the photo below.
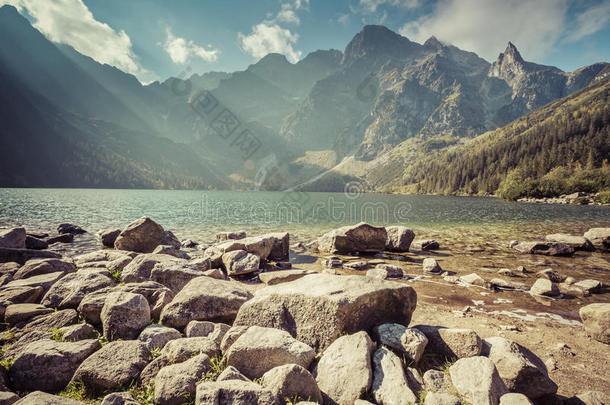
{"type": "Point", "coordinates": [268, 37]}
{"type": "Point", "coordinates": [299, 4]}
{"type": "Point", "coordinates": [370, 6]}
{"type": "Point", "coordinates": [71, 22]}
{"type": "Point", "coordinates": [181, 50]}
{"type": "Point", "coordinates": [590, 21]}
{"type": "Point", "coordinates": [287, 15]}
{"type": "Point", "coordinates": [344, 19]}
{"type": "Point", "coordinates": [485, 26]}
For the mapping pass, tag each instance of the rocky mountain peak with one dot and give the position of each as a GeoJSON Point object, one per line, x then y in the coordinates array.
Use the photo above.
{"type": "Point", "coordinates": [375, 41]}
{"type": "Point", "coordinates": [509, 64]}
{"type": "Point", "coordinates": [433, 42]}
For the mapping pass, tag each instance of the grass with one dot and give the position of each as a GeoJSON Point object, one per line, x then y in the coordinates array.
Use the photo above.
{"type": "Point", "coordinates": [447, 365]}
{"type": "Point", "coordinates": [116, 276]}
{"type": "Point", "coordinates": [57, 335]}
{"type": "Point", "coordinates": [217, 365]}
{"type": "Point", "coordinates": [144, 395]}
{"type": "Point", "coordinates": [77, 391]}
{"type": "Point", "coordinates": [422, 397]}
{"type": "Point", "coordinates": [7, 363]}
{"type": "Point", "coordinates": [155, 352]}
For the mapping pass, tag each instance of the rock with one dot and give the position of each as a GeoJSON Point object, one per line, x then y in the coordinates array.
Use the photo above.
{"type": "Point", "coordinates": [544, 287]}
{"type": "Point", "coordinates": [23, 255]}
{"type": "Point", "coordinates": [359, 265]}
{"type": "Point", "coordinates": [350, 239]}
{"type": "Point", "coordinates": [16, 313]}
{"type": "Point", "coordinates": [431, 266]}
{"type": "Point", "coordinates": [8, 398]}
{"type": "Point", "coordinates": [171, 251]}
{"type": "Point", "coordinates": [144, 235]}
{"type": "Point", "coordinates": [589, 398]}
{"type": "Point", "coordinates": [233, 392]}
{"type": "Point", "coordinates": [409, 342]}
{"type": "Point", "coordinates": [543, 248]}
{"type": "Point", "coordinates": [205, 299]}
{"type": "Point", "coordinates": [231, 336]}
{"type": "Point", "coordinates": [45, 281]}
{"type": "Point", "coordinates": [50, 322]}
{"type": "Point", "coordinates": [157, 295]}
{"type": "Point", "coordinates": [48, 365]}
{"type": "Point", "coordinates": [589, 285]}
{"type": "Point", "coordinates": [332, 262]}
{"type": "Point", "coordinates": [124, 315]}
{"type": "Point", "coordinates": [39, 267]}
{"type": "Point", "coordinates": [91, 305]}
{"type": "Point", "coordinates": [222, 236]}
{"type": "Point", "coordinates": [596, 318]}
{"type": "Point", "coordinates": [599, 237]}
{"type": "Point", "coordinates": [70, 290]}
{"type": "Point", "coordinates": [140, 268]}
{"type": "Point", "coordinates": [70, 229]}
{"type": "Point", "coordinates": [148, 374]}
{"type": "Point", "coordinates": [319, 308]}
{"type": "Point", "coordinates": [80, 331]}
{"type": "Point", "coordinates": [188, 244]}
{"type": "Point", "coordinates": [64, 238]}
{"type": "Point", "coordinates": [201, 264]}
{"type": "Point", "coordinates": [109, 236]}
{"type": "Point", "coordinates": [452, 343]}
{"type": "Point", "coordinates": [437, 381]}
{"type": "Point", "coordinates": [239, 262]}
{"type": "Point", "coordinates": [119, 398]}
{"type": "Point", "coordinates": [35, 243]}
{"type": "Point", "coordinates": [282, 276]}
{"type": "Point", "coordinates": [391, 270]}
{"type": "Point", "coordinates": [425, 245]}
{"type": "Point", "coordinates": [577, 242]}
{"type": "Point", "coordinates": [157, 336]}
{"type": "Point", "coordinates": [389, 381]}
{"type": "Point", "coordinates": [521, 370]}
{"type": "Point", "coordinates": [179, 350]}
{"type": "Point", "coordinates": [177, 382]}
{"type": "Point", "coordinates": [512, 398]}
{"type": "Point", "coordinates": [399, 238]}
{"type": "Point", "coordinates": [291, 381]}
{"type": "Point", "coordinates": [259, 350]}
{"type": "Point", "coordinates": [348, 361]}
{"type": "Point", "coordinates": [281, 246]}
{"type": "Point", "coordinates": [42, 398]}
{"type": "Point", "coordinates": [552, 275]}
{"type": "Point", "coordinates": [441, 398]}
{"type": "Point", "coordinates": [175, 277]}
{"type": "Point", "coordinates": [115, 365]}
{"type": "Point", "coordinates": [105, 255]}
{"type": "Point", "coordinates": [231, 373]}
{"type": "Point", "coordinates": [214, 331]}
{"type": "Point", "coordinates": [216, 274]}
{"type": "Point", "coordinates": [117, 265]}
{"type": "Point", "coordinates": [13, 238]}
{"type": "Point", "coordinates": [260, 246]}
{"type": "Point", "coordinates": [380, 274]}
{"type": "Point", "coordinates": [474, 279]}
{"type": "Point", "coordinates": [477, 380]}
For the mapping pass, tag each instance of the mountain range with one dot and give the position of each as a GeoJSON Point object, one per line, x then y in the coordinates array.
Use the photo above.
{"type": "Point", "coordinates": [369, 114]}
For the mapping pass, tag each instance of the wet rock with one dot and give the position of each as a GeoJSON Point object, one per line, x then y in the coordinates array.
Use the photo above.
{"type": "Point", "coordinates": [233, 392]}
{"type": "Point", "coordinates": [179, 350]}
{"type": "Point", "coordinates": [441, 398]}
{"type": "Point", "coordinates": [204, 299]}
{"type": "Point", "coordinates": [552, 275]}
{"type": "Point", "coordinates": [544, 287]}
{"type": "Point", "coordinates": [348, 360]}
{"type": "Point", "coordinates": [70, 290]}
{"type": "Point", "coordinates": [389, 381]}
{"type": "Point", "coordinates": [452, 343]}
{"type": "Point", "coordinates": [476, 379]}
{"type": "Point", "coordinates": [223, 236]}
{"type": "Point", "coordinates": [409, 342]}
{"type": "Point", "coordinates": [119, 398]}
{"type": "Point", "coordinates": [259, 350]}
{"type": "Point", "coordinates": [521, 370]}
{"type": "Point", "coordinates": [430, 265]}
{"type": "Point", "coordinates": [70, 229]}
{"type": "Point", "coordinates": [48, 365]}
{"type": "Point", "coordinates": [399, 238]}
{"type": "Point", "coordinates": [23, 255]}
{"type": "Point", "coordinates": [35, 243]}
{"type": "Point", "coordinates": [80, 331]}
{"type": "Point", "coordinates": [291, 381]}
{"type": "Point", "coordinates": [175, 383]}
{"type": "Point", "coordinates": [512, 398]}
{"type": "Point", "coordinates": [124, 315]}
{"type": "Point", "coordinates": [577, 242]}
{"type": "Point", "coordinates": [319, 308]}
{"type": "Point", "coordinates": [16, 313]}
{"type": "Point", "coordinates": [543, 248]}
{"type": "Point", "coordinates": [39, 267]}
{"type": "Point", "coordinates": [231, 373]}
{"type": "Point", "coordinates": [157, 336]}
{"type": "Point", "coordinates": [282, 276]}
{"type": "Point", "coordinates": [115, 365]}
{"type": "Point", "coordinates": [437, 381]}
{"type": "Point", "coordinates": [13, 238]}
{"type": "Point", "coordinates": [214, 331]}
{"type": "Point", "coordinates": [425, 245]}
{"type": "Point", "coordinates": [63, 238]}
{"type": "Point", "coordinates": [144, 235]}
{"type": "Point", "coordinates": [238, 262]}
{"type": "Point", "coordinates": [109, 236]}
{"type": "Point", "coordinates": [281, 246]}
{"type": "Point", "coordinates": [42, 398]}
{"type": "Point", "coordinates": [599, 237]}
{"type": "Point", "coordinates": [596, 318]}
{"type": "Point", "coordinates": [349, 239]}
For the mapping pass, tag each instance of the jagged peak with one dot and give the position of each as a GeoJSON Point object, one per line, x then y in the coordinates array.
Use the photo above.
{"type": "Point", "coordinates": [512, 53]}
{"type": "Point", "coordinates": [377, 39]}
{"type": "Point", "coordinates": [433, 42]}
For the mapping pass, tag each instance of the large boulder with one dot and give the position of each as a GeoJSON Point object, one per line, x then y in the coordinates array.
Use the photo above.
{"type": "Point", "coordinates": [140, 268]}
{"type": "Point", "coordinates": [477, 380]}
{"type": "Point", "coordinates": [238, 262]}
{"type": "Point", "coordinates": [521, 370]}
{"type": "Point", "coordinates": [108, 237]}
{"type": "Point", "coordinates": [156, 336]}
{"type": "Point", "coordinates": [48, 365]}
{"type": "Point", "coordinates": [144, 235]}
{"type": "Point", "coordinates": [119, 398]}
{"type": "Point", "coordinates": [596, 318]}
{"type": "Point", "coordinates": [124, 315]}
{"type": "Point", "coordinates": [282, 276]}
{"type": "Point", "coordinates": [409, 342]}
{"type": "Point", "coordinates": [452, 343]}
{"type": "Point", "coordinates": [577, 242]}
{"type": "Point", "coordinates": [390, 384]}
{"type": "Point", "coordinates": [37, 267]}
{"type": "Point", "coordinates": [175, 277]}
{"type": "Point", "coordinates": [600, 237]}
{"type": "Point", "coordinates": [344, 372]}
{"type": "Point", "coordinates": [115, 365]}
{"type": "Point", "coordinates": [44, 280]}
{"type": "Point", "coordinates": [35, 243]}
{"type": "Point", "coordinates": [175, 383]}
{"type": "Point", "coordinates": [259, 350]}
{"type": "Point", "coordinates": [543, 248]}
{"type": "Point", "coordinates": [13, 238]}
{"type": "Point", "coordinates": [214, 331]}
{"type": "Point", "coordinates": [205, 299]}
{"type": "Point", "coordinates": [399, 238]}
{"type": "Point", "coordinates": [16, 313]}
{"type": "Point", "coordinates": [49, 322]}
{"type": "Point", "coordinates": [291, 381]}
{"type": "Point", "coordinates": [350, 239]}
{"type": "Point", "coordinates": [70, 290]}
{"type": "Point", "coordinates": [319, 308]}
{"type": "Point", "coordinates": [233, 392]}
{"type": "Point", "coordinates": [179, 350]}
{"type": "Point", "coordinates": [42, 398]}
{"type": "Point", "coordinates": [281, 246]}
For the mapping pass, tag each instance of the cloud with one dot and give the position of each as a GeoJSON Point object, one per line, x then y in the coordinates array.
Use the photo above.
{"type": "Point", "coordinates": [70, 22]}
{"type": "Point", "coordinates": [589, 22]}
{"type": "Point", "coordinates": [370, 6]}
{"type": "Point", "coordinates": [485, 26]}
{"type": "Point", "coordinates": [287, 15]}
{"type": "Point", "coordinates": [181, 50]}
{"type": "Point", "coordinates": [268, 37]}
{"type": "Point", "coordinates": [344, 19]}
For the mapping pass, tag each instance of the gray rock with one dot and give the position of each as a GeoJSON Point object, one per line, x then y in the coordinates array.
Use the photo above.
{"type": "Point", "coordinates": [231, 336]}
{"type": "Point", "coordinates": [124, 315]}
{"type": "Point", "coordinates": [513, 398]}
{"type": "Point", "coordinates": [144, 235]}
{"type": "Point", "coordinates": [577, 242]}
{"type": "Point", "coordinates": [545, 287]}
{"type": "Point", "coordinates": [259, 350]}
{"type": "Point", "coordinates": [399, 238]}
{"type": "Point", "coordinates": [260, 246]}
{"type": "Point", "coordinates": [345, 370]}
{"type": "Point", "coordinates": [44, 280]}
{"type": "Point", "coordinates": [474, 279]}
{"type": "Point", "coordinates": [179, 350]}
{"type": "Point", "coordinates": [430, 265]}
{"type": "Point", "coordinates": [42, 398]}
{"type": "Point", "coordinates": [119, 398]}
{"type": "Point", "coordinates": [589, 398]}
{"type": "Point", "coordinates": [425, 245]}
{"type": "Point", "coordinates": [12, 238]}
{"type": "Point", "coordinates": [175, 277]}
{"type": "Point", "coordinates": [391, 270]}
{"type": "Point", "coordinates": [599, 237]}
{"type": "Point", "coordinates": [231, 373]}
{"type": "Point", "coordinates": [215, 273]}
{"type": "Point", "coordinates": [115, 365]}
{"type": "Point", "coordinates": [590, 286]}
{"type": "Point", "coordinates": [409, 342]}
{"type": "Point", "coordinates": [117, 265]}
{"type": "Point", "coordinates": [543, 248]}
{"type": "Point", "coordinates": [233, 392]}
{"type": "Point", "coordinates": [205, 299]}
{"type": "Point", "coordinates": [359, 265]}
{"type": "Point", "coordinates": [378, 273]}
{"type": "Point", "coordinates": [48, 365]}
{"type": "Point", "coordinates": [291, 381]}
{"type": "Point", "coordinates": [70, 229]}
{"type": "Point", "coordinates": [16, 313]}
{"type": "Point", "coordinates": [477, 380]}
{"type": "Point", "coordinates": [214, 331]}
{"type": "Point", "coordinates": [223, 236]}
{"type": "Point", "coordinates": [140, 268]}
{"type": "Point", "coordinates": [452, 343]}
{"type": "Point", "coordinates": [50, 322]}
{"type": "Point", "coordinates": [157, 295]}
{"type": "Point", "coordinates": [106, 255]}
{"type": "Point", "coordinates": [64, 238]}
{"type": "Point", "coordinates": [80, 331]}
{"type": "Point", "coordinates": [23, 255]}
{"type": "Point", "coordinates": [389, 380]}
{"type": "Point", "coordinates": [70, 290]}
{"type": "Point", "coordinates": [441, 398]}
{"type": "Point", "coordinates": [437, 381]}
{"type": "Point", "coordinates": [551, 274]}
{"type": "Point", "coordinates": [349, 239]}
{"type": "Point", "coordinates": [281, 246]}
{"type": "Point", "coordinates": [109, 236]}
{"type": "Point", "coordinates": [282, 276]}
{"type": "Point", "coordinates": [319, 308]}
{"type": "Point", "coordinates": [148, 374]}
{"type": "Point", "coordinates": [35, 243]}
{"type": "Point", "coordinates": [238, 262]}
{"type": "Point", "coordinates": [596, 318]}
{"type": "Point", "coordinates": [177, 382]}
{"type": "Point", "coordinates": [157, 336]}
{"type": "Point", "coordinates": [171, 251]}
{"type": "Point", "coordinates": [201, 264]}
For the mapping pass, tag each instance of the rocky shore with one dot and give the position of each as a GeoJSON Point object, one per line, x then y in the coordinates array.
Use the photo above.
{"type": "Point", "coordinates": [150, 319]}
{"type": "Point", "coordinates": [579, 198]}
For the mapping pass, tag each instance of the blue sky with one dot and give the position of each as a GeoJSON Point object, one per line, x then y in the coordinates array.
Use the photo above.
{"type": "Point", "coordinates": [155, 39]}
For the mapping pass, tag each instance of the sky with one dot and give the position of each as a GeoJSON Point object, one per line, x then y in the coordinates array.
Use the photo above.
{"type": "Point", "coordinates": [156, 39]}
